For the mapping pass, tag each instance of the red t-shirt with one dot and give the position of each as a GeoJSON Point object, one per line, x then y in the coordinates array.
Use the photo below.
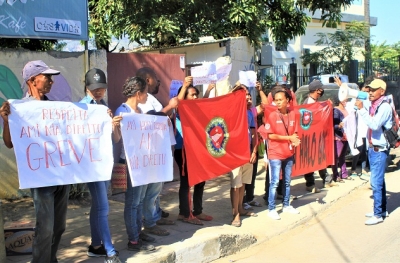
{"type": "Point", "coordinates": [276, 123]}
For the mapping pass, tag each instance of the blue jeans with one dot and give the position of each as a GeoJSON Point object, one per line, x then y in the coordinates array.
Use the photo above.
{"type": "Point", "coordinates": [99, 228]}
{"type": "Point", "coordinates": [151, 204]}
{"type": "Point", "coordinates": [51, 214]}
{"type": "Point", "coordinates": [276, 166]}
{"type": "Point", "coordinates": [377, 162]}
{"type": "Point", "coordinates": [133, 211]}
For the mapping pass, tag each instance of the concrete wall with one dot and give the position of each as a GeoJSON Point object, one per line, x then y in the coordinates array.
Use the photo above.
{"type": "Point", "coordinates": [67, 87]}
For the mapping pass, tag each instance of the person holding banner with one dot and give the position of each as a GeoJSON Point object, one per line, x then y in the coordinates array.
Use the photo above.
{"type": "Point", "coordinates": [188, 92]}
{"type": "Point", "coordinates": [316, 91]}
{"type": "Point", "coordinates": [50, 202]}
{"type": "Point", "coordinates": [378, 119]}
{"type": "Point", "coordinates": [282, 139]}
{"type": "Point", "coordinates": [242, 175]}
{"type": "Point", "coordinates": [135, 89]}
{"type": "Point", "coordinates": [101, 245]}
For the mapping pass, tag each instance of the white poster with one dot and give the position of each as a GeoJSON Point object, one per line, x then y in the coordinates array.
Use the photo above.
{"type": "Point", "coordinates": [248, 78]}
{"type": "Point", "coordinates": [57, 143]}
{"type": "Point", "coordinates": [147, 144]}
{"type": "Point", "coordinates": [174, 87]}
{"type": "Point", "coordinates": [205, 74]}
{"type": "Point", "coordinates": [223, 72]}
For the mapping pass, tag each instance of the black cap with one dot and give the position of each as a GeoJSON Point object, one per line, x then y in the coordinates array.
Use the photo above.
{"type": "Point", "coordinates": [315, 85]}
{"type": "Point", "coordinates": [95, 78]}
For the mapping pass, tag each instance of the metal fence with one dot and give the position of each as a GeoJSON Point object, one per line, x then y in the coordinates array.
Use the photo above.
{"type": "Point", "coordinates": [388, 69]}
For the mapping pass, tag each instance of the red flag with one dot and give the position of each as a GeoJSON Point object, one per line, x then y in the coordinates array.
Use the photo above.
{"type": "Point", "coordinates": [315, 130]}
{"type": "Point", "coordinates": [215, 134]}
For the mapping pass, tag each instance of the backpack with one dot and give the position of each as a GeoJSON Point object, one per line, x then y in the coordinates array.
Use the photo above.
{"type": "Point", "coordinates": [392, 134]}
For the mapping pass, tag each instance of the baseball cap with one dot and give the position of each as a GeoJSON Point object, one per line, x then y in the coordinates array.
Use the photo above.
{"type": "Point", "coordinates": [95, 78]}
{"type": "Point", "coordinates": [377, 83]}
{"type": "Point", "coordinates": [37, 67]}
{"type": "Point", "coordinates": [315, 85]}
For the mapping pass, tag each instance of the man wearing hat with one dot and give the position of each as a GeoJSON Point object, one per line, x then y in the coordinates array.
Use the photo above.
{"type": "Point", "coordinates": [50, 202]}
{"type": "Point", "coordinates": [316, 91]}
{"type": "Point", "coordinates": [377, 119]}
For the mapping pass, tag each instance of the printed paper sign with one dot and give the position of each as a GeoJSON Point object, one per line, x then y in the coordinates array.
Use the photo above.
{"type": "Point", "coordinates": [248, 78]}
{"type": "Point", "coordinates": [147, 144]}
{"type": "Point", "coordinates": [174, 87]}
{"type": "Point", "coordinates": [58, 143]}
{"type": "Point", "coordinates": [205, 74]}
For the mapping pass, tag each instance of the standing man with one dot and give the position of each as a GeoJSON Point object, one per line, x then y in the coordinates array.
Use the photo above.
{"type": "Point", "coordinates": [316, 91]}
{"type": "Point", "coordinates": [152, 213]}
{"type": "Point", "coordinates": [377, 119]}
{"type": "Point", "coordinates": [50, 202]}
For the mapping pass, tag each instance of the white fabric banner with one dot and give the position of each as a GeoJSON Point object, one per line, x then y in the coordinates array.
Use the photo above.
{"type": "Point", "coordinates": [58, 143]}
{"type": "Point", "coordinates": [147, 144]}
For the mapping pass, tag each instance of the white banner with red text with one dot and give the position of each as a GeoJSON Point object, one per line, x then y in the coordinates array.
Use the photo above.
{"type": "Point", "coordinates": [58, 143]}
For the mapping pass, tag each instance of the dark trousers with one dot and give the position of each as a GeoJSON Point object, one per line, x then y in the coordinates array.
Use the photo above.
{"type": "Point", "coordinates": [249, 188]}
{"type": "Point", "coordinates": [362, 156]}
{"type": "Point", "coordinates": [325, 176]}
{"type": "Point", "coordinates": [51, 215]}
{"type": "Point", "coordinates": [184, 190]}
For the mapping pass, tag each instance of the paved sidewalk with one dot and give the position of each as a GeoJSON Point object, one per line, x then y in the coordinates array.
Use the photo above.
{"type": "Point", "coordinates": [191, 243]}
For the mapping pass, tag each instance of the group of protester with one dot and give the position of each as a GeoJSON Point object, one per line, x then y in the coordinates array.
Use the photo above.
{"type": "Point", "coordinates": [142, 212]}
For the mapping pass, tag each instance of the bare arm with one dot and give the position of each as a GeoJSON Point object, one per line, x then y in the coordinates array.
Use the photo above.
{"type": "Point", "coordinates": [264, 98]}
{"type": "Point", "coordinates": [4, 112]}
{"type": "Point", "coordinates": [209, 89]}
{"type": "Point", "coordinates": [186, 83]}
{"type": "Point", "coordinates": [116, 129]}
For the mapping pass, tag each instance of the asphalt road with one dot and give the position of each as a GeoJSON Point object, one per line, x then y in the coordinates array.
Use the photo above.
{"type": "Point", "coordinates": [338, 234]}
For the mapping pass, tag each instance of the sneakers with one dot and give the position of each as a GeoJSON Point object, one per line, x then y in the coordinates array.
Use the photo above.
{"type": "Point", "coordinates": [290, 209]}
{"type": "Point", "coordinates": [112, 259]}
{"type": "Point", "coordinates": [386, 214]}
{"type": "Point", "coordinates": [313, 189]}
{"type": "Point", "coordinates": [246, 206]}
{"type": "Point", "coordinates": [146, 238]}
{"type": "Point", "coordinates": [373, 221]}
{"type": "Point", "coordinates": [274, 215]}
{"type": "Point", "coordinates": [139, 246]}
{"type": "Point", "coordinates": [97, 252]}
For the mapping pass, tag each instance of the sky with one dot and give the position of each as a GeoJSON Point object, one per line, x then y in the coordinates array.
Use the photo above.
{"type": "Point", "coordinates": [388, 28]}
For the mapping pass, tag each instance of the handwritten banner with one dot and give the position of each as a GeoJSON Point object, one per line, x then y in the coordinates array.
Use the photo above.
{"type": "Point", "coordinates": [315, 130]}
{"type": "Point", "coordinates": [147, 144]}
{"type": "Point", "coordinates": [205, 74]}
{"type": "Point", "coordinates": [174, 87]}
{"type": "Point", "coordinates": [248, 78]}
{"type": "Point", "coordinates": [58, 143]}
{"type": "Point", "coordinates": [223, 71]}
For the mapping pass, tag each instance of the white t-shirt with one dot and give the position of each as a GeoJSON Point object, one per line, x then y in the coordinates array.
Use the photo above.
{"type": "Point", "coordinates": [151, 104]}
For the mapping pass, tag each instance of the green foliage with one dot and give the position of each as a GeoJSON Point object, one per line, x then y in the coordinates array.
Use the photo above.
{"type": "Point", "coordinates": [385, 51]}
{"type": "Point", "coordinates": [165, 22]}
{"type": "Point", "coordinates": [339, 48]}
{"type": "Point", "coordinates": [30, 44]}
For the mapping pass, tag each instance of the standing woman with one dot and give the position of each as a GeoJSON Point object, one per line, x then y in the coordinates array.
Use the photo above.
{"type": "Point", "coordinates": [188, 92]}
{"type": "Point", "coordinates": [282, 140]}
{"type": "Point", "coordinates": [340, 143]}
{"type": "Point", "coordinates": [95, 88]}
{"type": "Point", "coordinates": [135, 90]}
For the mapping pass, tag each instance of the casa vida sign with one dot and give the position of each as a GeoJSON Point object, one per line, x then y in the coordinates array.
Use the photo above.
{"type": "Point", "coordinates": [48, 19]}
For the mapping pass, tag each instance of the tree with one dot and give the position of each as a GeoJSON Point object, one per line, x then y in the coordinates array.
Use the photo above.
{"type": "Point", "coordinates": [166, 22]}
{"type": "Point", "coordinates": [30, 44]}
{"type": "Point", "coordinates": [339, 48]}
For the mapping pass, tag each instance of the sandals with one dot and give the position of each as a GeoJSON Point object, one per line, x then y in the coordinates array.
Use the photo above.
{"type": "Point", "coordinates": [340, 180]}
{"type": "Point", "coordinates": [349, 178]}
{"type": "Point", "coordinates": [164, 221]}
{"type": "Point", "coordinates": [246, 206]}
{"type": "Point", "coordinates": [249, 214]}
{"type": "Point", "coordinates": [204, 217]}
{"type": "Point", "coordinates": [156, 230]}
{"type": "Point", "coordinates": [254, 203]}
{"type": "Point", "coordinates": [236, 223]}
{"type": "Point", "coordinates": [193, 221]}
